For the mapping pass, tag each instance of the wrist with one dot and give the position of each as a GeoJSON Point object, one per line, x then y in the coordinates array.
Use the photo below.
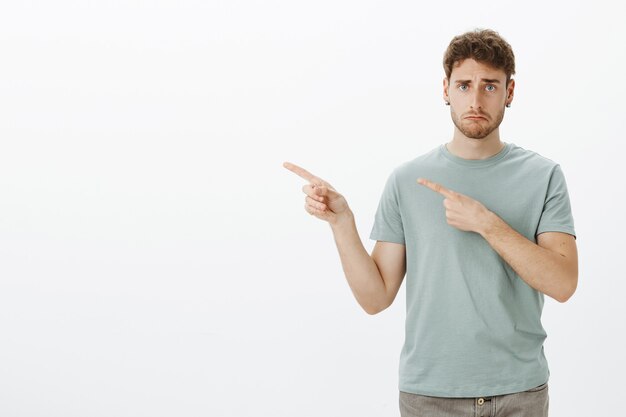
{"type": "Point", "coordinates": [346, 219]}
{"type": "Point", "coordinates": [489, 223]}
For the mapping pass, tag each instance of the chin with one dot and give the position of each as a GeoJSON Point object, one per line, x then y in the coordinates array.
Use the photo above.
{"type": "Point", "coordinates": [475, 135]}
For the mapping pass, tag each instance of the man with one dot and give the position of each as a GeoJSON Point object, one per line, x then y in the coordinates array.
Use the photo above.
{"type": "Point", "coordinates": [482, 229]}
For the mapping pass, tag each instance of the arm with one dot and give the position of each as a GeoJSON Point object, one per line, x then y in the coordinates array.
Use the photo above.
{"type": "Point", "coordinates": [550, 266]}
{"type": "Point", "coordinates": [376, 279]}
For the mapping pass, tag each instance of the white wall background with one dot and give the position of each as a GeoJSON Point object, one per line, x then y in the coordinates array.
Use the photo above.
{"type": "Point", "coordinates": [155, 256]}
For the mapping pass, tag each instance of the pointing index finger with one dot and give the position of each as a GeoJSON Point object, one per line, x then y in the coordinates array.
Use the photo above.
{"type": "Point", "coordinates": [436, 187]}
{"type": "Point", "coordinates": [303, 173]}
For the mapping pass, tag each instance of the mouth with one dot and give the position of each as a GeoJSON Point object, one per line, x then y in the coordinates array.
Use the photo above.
{"type": "Point", "coordinates": [476, 118]}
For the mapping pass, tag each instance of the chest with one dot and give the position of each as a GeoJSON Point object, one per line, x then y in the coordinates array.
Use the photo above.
{"type": "Point", "coordinates": [515, 199]}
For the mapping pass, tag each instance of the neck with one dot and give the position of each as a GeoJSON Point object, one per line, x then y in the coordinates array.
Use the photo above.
{"type": "Point", "coordinates": [468, 148]}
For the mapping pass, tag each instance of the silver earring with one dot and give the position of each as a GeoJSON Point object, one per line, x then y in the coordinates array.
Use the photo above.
{"type": "Point", "coordinates": [447, 103]}
{"type": "Point", "coordinates": [508, 104]}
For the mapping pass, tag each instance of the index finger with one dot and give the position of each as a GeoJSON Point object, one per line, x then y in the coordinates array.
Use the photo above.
{"type": "Point", "coordinates": [303, 173]}
{"type": "Point", "coordinates": [436, 187]}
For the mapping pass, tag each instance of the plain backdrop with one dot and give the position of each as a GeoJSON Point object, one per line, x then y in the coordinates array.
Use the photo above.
{"type": "Point", "coordinates": [156, 258]}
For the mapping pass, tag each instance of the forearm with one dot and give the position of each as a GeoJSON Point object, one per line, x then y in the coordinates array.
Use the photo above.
{"type": "Point", "coordinates": [542, 269]}
{"type": "Point", "coordinates": [360, 270]}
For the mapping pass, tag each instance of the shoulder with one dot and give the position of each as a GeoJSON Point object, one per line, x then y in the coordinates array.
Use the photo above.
{"type": "Point", "coordinates": [531, 165]}
{"type": "Point", "coordinates": [408, 168]}
{"type": "Point", "coordinates": [530, 159]}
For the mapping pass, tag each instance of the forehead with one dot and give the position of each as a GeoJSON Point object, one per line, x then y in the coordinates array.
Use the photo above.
{"type": "Point", "coordinates": [470, 68]}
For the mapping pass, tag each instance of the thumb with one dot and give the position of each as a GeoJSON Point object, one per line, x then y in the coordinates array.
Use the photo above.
{"type": "Point", "coordinates": [324, 191]}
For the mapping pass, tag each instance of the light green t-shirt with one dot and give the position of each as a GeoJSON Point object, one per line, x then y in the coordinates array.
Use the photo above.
{"type": "Point", "coordinates": [473, 326]}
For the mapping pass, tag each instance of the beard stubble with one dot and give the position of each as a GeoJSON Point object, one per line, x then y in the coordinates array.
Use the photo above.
{"type": "Point", "coordinates": [477, 129]}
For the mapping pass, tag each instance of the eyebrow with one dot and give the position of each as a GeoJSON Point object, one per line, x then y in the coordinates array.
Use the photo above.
{"type": "Point", "coordinates": [486, 80]}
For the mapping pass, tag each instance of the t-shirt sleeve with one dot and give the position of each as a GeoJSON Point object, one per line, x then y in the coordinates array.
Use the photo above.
{"type": "Point", "coordinates": [388, 220]}
{"type": "Point", "coordinates": [557, 212]}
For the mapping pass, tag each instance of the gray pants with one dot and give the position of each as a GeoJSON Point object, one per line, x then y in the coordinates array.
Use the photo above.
{"type": "Point", "coordinates": [531, 403]}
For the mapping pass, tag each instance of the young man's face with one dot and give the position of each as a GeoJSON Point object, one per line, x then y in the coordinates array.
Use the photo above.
{"type": "Point", "coordinates": [477, 95]}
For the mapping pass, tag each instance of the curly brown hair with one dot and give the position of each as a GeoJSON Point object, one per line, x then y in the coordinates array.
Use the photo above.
{"type": "Point", "coordinates": [483, 45]}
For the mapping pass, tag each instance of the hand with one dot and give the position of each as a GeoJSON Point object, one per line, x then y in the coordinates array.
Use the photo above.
{"type": "Point", "coordinates": [462, 212]}
{"type": "Point", "coordinates": [322, 200]}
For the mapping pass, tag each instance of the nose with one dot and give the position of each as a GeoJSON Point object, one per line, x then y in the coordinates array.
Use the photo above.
{"type": "Point", "coordinates": [475, 102]}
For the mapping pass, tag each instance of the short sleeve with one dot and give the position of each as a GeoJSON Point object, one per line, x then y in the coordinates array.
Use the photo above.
{"type": "Point", "coordinates": [388, 220]}
{"type": "Point", "coordinates": [557, 212]}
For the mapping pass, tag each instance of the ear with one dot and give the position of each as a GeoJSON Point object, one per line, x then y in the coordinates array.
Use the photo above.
{"type": "Point", "coordinates": [445, 90]}
{"type": "Point", "coordinates": [509, 91]}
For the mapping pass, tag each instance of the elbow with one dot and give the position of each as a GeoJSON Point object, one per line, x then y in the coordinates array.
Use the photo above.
{"type": "Point", "coordinates": [568, 291]}
{"type": "Point", "coordinates": [374, 309]}
{"type": "Point", "coordinates": [563, 297]}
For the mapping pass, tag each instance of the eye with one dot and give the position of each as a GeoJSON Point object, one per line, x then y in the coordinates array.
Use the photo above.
{"type": "Point", "coordinates": [461, 87]}
{"type": "Point", "coordinates": [491, 87]}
